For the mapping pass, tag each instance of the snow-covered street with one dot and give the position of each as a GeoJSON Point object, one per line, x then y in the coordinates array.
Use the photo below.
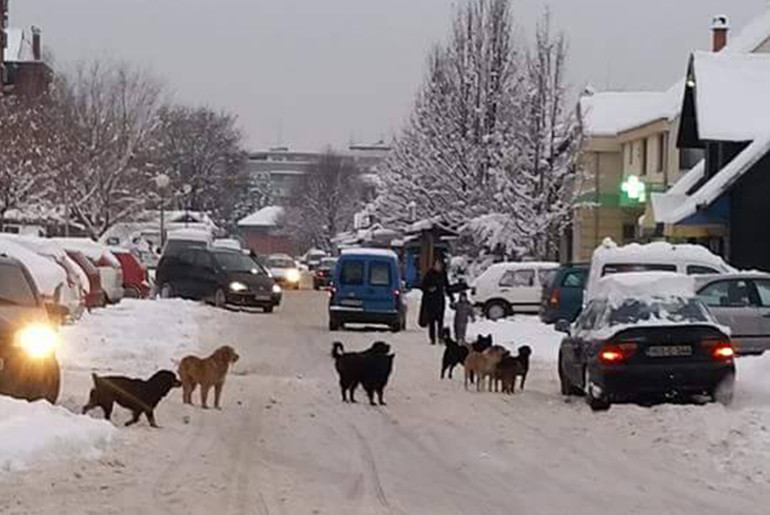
{"type": "Point", "coordinates": [284, 443]}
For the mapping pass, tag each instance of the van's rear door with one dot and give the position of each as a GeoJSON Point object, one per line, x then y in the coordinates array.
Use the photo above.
{"type": "Point", "coordinates": [350, 284]}
{"type": "Point", "coordinates": [380, 281]}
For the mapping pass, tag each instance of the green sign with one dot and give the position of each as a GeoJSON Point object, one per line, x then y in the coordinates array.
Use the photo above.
{"type": "Point", "coordinates": [633, 191]}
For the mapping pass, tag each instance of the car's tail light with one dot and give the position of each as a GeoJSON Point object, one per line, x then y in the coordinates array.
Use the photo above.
{"type": "Point", "coordinates": [723, 350]}
{"type": "Point", "coordinates": [397, 298]}
{"type": "Point", "coordinates": [553, 301]}
{"type": "Point", "coordinates": [613, 353]}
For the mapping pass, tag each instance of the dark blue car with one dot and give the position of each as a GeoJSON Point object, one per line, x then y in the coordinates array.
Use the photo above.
{"type": "Point", "coordinates": [367, 289]}
{"type": "Point", "coordinates": [563, 295]}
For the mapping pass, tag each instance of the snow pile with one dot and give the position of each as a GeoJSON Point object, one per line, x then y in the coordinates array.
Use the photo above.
{"type": "Point", "coordinates": [39, 431]}
{"type": "Point", "coordinates": [643, 285]}
{"type": "Point", "coordinates": [136, 337]}
{"type": "Point", "coordinates": [47, 275]}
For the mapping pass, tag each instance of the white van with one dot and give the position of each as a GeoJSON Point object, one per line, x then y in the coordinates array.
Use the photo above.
{"type": "Point", "coordinates": [659, 256]}
{"type": "Point", "coordinates": [507, 288]}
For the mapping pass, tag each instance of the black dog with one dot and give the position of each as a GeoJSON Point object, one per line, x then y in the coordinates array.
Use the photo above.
{"type": "Point", "coordinates": [482, 343]}
{"type": "Point", "coordinates": [376, 374]}
{"type": "Point", "coordinates": [523, 358]}
{"type": "Point", "coordinates": [369, 367]}
{"type": "Point", "coordinates": [134, 394]}
{"type": "Point", "coordinates": [454, 354]}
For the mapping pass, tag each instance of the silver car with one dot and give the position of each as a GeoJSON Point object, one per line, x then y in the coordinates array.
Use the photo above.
{"type": "Point", "coordinates": [742, 302]}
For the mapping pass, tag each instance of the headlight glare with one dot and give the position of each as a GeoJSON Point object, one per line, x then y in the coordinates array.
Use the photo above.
{"type": "Point", "coordinates": [292, 275]}
{"type": "Point", "coordinates": [276, 288]}
{"type": "Point", "coordinates": [237, 286]}
{"type": "Point", "coordinates": [38, 341]}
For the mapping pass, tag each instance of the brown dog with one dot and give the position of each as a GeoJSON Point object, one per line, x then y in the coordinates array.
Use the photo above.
{"type": "Point", "coordinates": [507, 371]}
{"type": "Point", "coordinates": [483, 365]}
{"type": "Point", "coordinates": [207, 372]}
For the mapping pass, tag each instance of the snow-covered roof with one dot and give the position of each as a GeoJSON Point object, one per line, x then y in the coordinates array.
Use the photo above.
{"type": "Point", "coordinates": [612, 112]}
{"type": "Point", "coordinates": [19, 46]}
{"type": "Point", "coordinates": [369, 252]}
{"type": "Point", "coordinates": [266, 217]}
{"type": "Point", "coordinates": [751, 37]}
{"type": "Point", "coordinates": [675, 207]}
{"type": "Point", "coordinates": [730, 89]}
{"type": "Point", "coordinates": [639, 285]}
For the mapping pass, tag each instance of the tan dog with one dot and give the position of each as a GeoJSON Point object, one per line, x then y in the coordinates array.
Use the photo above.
{"type": "Point", "coordinates": [483, 365]}
{"type": "Point", "coordinates": [207, 372]}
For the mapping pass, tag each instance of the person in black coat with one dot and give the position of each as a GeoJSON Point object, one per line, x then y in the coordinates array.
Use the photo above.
{"type": "Point", "coordinates": [435, 285]}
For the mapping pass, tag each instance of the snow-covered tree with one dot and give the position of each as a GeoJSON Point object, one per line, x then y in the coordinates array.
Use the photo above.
{"type": "Point", "coordinates": [258, 194]}
{"type": "Point", "coordinates": [325, 201]}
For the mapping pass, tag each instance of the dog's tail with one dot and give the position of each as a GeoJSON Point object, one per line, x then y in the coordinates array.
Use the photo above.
{"type": "Point", "coordinates": [94, 377]}
{"type": "Point", "coordinates": [337, 350]}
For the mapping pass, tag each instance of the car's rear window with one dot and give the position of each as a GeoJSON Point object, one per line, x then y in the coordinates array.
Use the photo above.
{"type": "Point", "coordinates": [674, 309]}
{"type": "Point", "coordinates": [281, 263]}
{"type": "Point", "coordinates": [14, 287]}
{"type": "Point", "coordinates": [352, 273]}
{"type": "Point", "coordinates": [621, 268]}
{"type": "Point", "coordinates": [574, 279]}
{"type": "Point", "coordinates": [379, 274]}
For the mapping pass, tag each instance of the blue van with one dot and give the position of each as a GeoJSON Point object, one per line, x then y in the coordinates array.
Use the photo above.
{"type": "Point", "coordinates": [367, 289]}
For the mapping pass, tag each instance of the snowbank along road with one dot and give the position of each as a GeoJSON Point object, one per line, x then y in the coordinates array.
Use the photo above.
{"type": "Point", "coordinates": [284, 442]}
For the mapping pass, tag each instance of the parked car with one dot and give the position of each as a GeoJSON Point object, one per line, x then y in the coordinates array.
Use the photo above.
{"type": "Point", "coordinates": [183, 238]}
{"type": "Point", "coordinates": [28, 338]}
{"type": "Point", "coordinates": [367, 288]}
{"type": "Point", "coordinates": [312, 258]}
{"type": "Point", "coordinates": [507, 288]}
{"type": "Point", "coordinates": [645, 334]}
{"type": "Point", "coordinates": [740, 301]}
{"type": "Point", "coordinates": [657, 256]}
{"type": "Point", "coordinates": [105, 261]}
{"type": "Point", "coordinates": [563, 295]}
{"type": "Point", "coordinates": [285, 271]}
{"type": "Point", "coordinates": [50, 278]}
{"type": "Point", "coordinates": [95, 296]}
{"type": "Point", "coordinates": [322, 277]}
{"type": "Point", "coordinates": [220, 276]}
{"type": "Point", "coordinates": [136, 281]}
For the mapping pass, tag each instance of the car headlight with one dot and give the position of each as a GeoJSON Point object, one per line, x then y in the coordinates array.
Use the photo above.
{"type": "Point", "coordinates": [292, 275]}
{"type": "Point", "coordinates": [238, 286]}
{"type": "Point", "coordinates": [39, 341]}
{"type": "Point", "coordinates": [276, 289]}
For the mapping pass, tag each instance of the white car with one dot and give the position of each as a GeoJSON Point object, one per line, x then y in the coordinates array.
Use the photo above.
{"type": "Point", "coordinates": [508, 288]}
{"type": "Point", "coordinates": [686, 259]}
{"type": "Point", "coordinates": [284, 270]}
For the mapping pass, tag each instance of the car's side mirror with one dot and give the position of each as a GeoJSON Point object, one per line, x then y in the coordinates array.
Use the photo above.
{"type": "Point", "coordinates": [563, 326]}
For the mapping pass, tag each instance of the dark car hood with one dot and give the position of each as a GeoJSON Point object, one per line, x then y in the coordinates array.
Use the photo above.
{"type": "Point", "coordinates": [13, 318]}
{"type": "Point", "coordinates": [254, 281]}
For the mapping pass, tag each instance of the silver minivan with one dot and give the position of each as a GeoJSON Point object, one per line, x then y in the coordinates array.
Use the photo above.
{"type": "Point", "coordinates": [740, 301]}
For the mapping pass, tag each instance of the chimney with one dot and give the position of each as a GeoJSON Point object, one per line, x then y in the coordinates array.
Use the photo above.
{"type": "Point", "coordinates": [719, 28]}
{"type": "Point", "coordinates": [37, 53]}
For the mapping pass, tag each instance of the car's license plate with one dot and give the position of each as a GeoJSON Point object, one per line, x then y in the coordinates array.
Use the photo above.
{"type": "Point", "coordinates": [262, 297]}
{"type": "Point", "coordinates": [667, 351]}
{"type": "Point", "coordinates": [356, 303]}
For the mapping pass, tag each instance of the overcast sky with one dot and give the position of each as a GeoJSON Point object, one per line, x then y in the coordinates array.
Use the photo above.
{"type": "Point", "coordinates": [307, 73]}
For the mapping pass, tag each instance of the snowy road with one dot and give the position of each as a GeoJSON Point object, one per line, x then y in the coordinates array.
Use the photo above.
{"type": "Point", "coordinates": [285, 444]}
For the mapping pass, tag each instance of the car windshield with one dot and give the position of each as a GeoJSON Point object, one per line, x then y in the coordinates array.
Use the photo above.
{"type": "Point", "coordinates": [281, 263]}
{"type": "Point", "coordinates": [14, 287]}
{"type": "Point", "coordinates": [328, 262]}
{"type": "Point", "coordinates": [236, 262]}
{"type": "Point", "coordinates": [677, 310]}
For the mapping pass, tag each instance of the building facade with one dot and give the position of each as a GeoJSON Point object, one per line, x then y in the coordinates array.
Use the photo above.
{"type": "Point", "coordinates": [22, 70]}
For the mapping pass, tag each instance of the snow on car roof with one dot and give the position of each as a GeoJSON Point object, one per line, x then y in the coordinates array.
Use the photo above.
{"type": "Point", "coordinates": [642, 285]}
{"type": "Point", "coordinates": [45, 272]}
{"type": "Point", "coordinates": [190, 234]}
{"type": "Point", "coordinates": [268, 216]}
{"type": "Point", "coordinates": [369, 252]}
{"type": "Point", "coordinates": [657, 251]}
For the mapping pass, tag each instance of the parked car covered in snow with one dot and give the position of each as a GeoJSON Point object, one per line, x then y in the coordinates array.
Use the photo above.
{"type": "Point", "coordinates": [105, 261]}
{"type": "Point", "coordinates": [508, 288]}
{"type": "Point", "coordinates": [740, 301]}
{"type": "Point", "coordinates": [95, 297]}
{"type": "Point", "coordinates": [28, 338]}
{"type": "Point", "coordinates": [50, 278]}
{"type": "Point", "coordinates": [609, 259]}
{"type": "Point", "coordinates": [136, 281]}
{"type": "Point", "coordinates": [645, 335]}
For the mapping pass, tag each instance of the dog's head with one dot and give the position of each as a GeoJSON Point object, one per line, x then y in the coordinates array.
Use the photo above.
{"type": "Point", "coordinates": [525, 351]}
{"type": "Point", "coordinates": [497, 352]}
{"type": "Point", "coordinates": [164, 380]}
{"type": "Point", "coordinates": [226, 354]}
{"type": "Point", "coordinates": [483, 342]}
{"type": "Point", "coordinates": [379, 348]}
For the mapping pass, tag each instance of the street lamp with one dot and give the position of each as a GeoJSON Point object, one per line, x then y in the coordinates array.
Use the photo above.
{"type": "Point", "coordinates": [162, 182]}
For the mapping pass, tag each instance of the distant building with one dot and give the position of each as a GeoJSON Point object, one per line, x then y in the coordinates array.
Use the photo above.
{"type": "Point", "coordinates": [261, 232]}
{"type": "Point", "coordinates": [22, 70]}
{"type": "Point", "coordinates": [284, 168]}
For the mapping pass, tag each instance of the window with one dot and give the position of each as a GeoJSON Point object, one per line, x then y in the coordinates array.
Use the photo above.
{"type": "Point", "coordinates": [518, 278]}
{"type": "Point", "coordinates": [700, 270]}
{"type": "Point", "coordinates": [545, 276]}
{"type": "Point", "coordinates": [763, 289]}
{"type": "Point", "coordinates": [644, 157]}
{"type": "Point", "coordinates": [14, 287]}
{"type": "Point", "coordinates": [203, 260]}
{"type": "Point", "coordinates": [727, 294]}
{"type": "Point", "coordinates": [352, 273]}
{"type": "Point", "coordinates": [187, 257]}
{"type": "Point", "coordinates": [379, 274]}
{"type": "Point", "coordinates": [12, 229]}
{"type": "Point", "coordinates": [689, 157]}
{"type": "Point", "coordinates": [619, 268]}
{"type": "Point", "coordinates": [576, 279]}
{"type": "Point", "coordinates": [662, 152]}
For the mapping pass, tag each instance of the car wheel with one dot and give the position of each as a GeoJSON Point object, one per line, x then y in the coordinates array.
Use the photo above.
{"type": "Point", "coordinates": [723, 394]}
{"type": "Point", "coordinates": [566, 388]}
{"type": "Point", "coordinates": [395, 327]}
{"type": "Point", "coordinates": [597, 401]}
{"type": "Point", "coordinates": [496, 309]}
{"type": "Point", "coordinates": [268, 309]}
{"type": "Point", "coordinates": [220, 299]}
{"type": "Point", "coordinates": [167, 291]}
{"type": "Point", "coordinates": [51, 393]}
